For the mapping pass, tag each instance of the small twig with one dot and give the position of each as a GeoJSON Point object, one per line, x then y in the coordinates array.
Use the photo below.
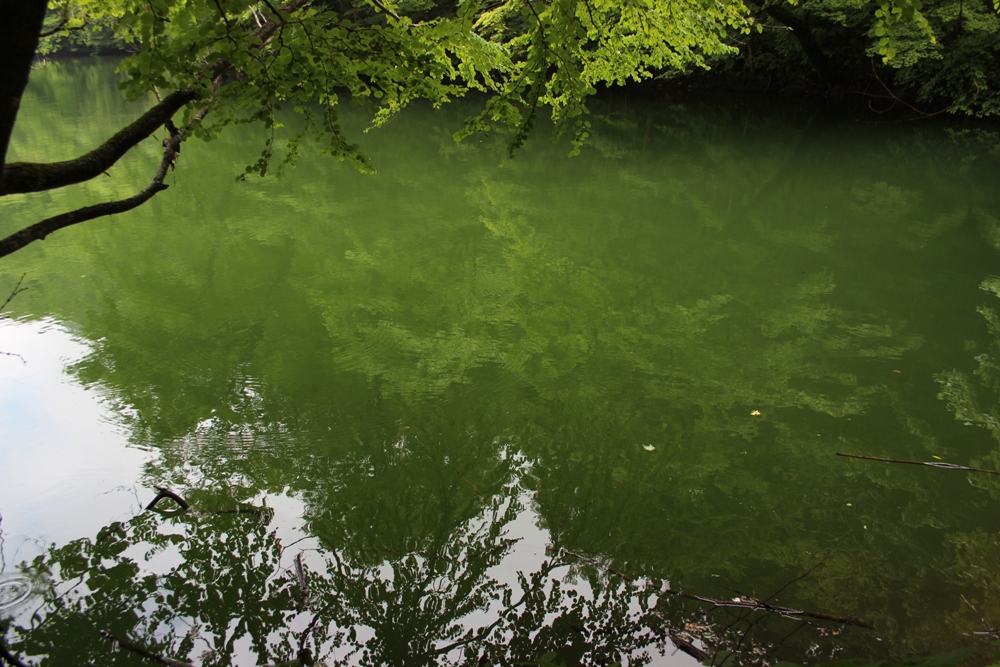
{"type": "Point", "coordinates": [988, 631]}
{"type": "Point", "coordinates": [135, 648]}
{"type": "Point", "coordinates": [687, 647]}
{"type": "Point", "coordinates": [386, 9]}
{"type": "Point", "coordinates": [15, 354]}
{"type": "Point", "coordinates": [237, 510]}
{"type": "Point", "coordinates": [798, 578]}
{"type": "Point", "coordinates": [167, 493]}
{"type": "Point", "coordinates": [473, 486]}
{"type": "Point", "coordinates": [62, 28]}
{"type": "Point", "coordinates": [899, 99]}
{"type": "Point", "coordinates": [300, 576]}
{"type": "Point", "coordinates": [929, 464]}
{"type": "Point", "coordinates": [14, 292]}
{"type": "Point", "coordinates": [739, 603]}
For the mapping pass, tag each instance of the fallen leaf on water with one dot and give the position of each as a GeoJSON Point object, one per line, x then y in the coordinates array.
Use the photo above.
{"type": "Point", "coordinates": [648, 448]}
{"type": "Point", "coordinates": [755, 413]}
{"type": "Point", "coordinates": [935, 457]}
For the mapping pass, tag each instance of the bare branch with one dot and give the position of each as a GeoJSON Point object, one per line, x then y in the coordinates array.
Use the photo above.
{"type": "Point", "coordinates": [19, 177]}
{"type": "Point", "coordinates": [40, 230]}
{"type": "Point", "coordinates": [14, 292]}
{"type": "Point", "coordinates": [748, 603]}
{"type": "Point", "coordinates": [929, 464]}
{"type": "Point", "coordinates": [167, 493]}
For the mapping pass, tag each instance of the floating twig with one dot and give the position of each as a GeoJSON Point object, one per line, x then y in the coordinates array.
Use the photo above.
{"type": "Point", "coordinates": [685, 646]}
{"type": "Point", "coordinates": [756, 605]}
{"type": "Point", "coordinates": [989, 631]}
{"type": "Point", "coordinates": [146, 653]}
{"type": "Point", "coordinates": [303, 659]}
{"type": "Point", "coordinates": [15, 354]}
{"type": "Point", "coordinates": [929, 464]}
{"type": "Point", "coordinates": [300, 576]}
{"type": "Point", "coordinates": [238, 510]}
{"type": "Point", "coordinates": [185, 507]}
{"type": "Point", "coordinates": [167, 493]}
{"type": "Point", "coordinates": [741, 602]}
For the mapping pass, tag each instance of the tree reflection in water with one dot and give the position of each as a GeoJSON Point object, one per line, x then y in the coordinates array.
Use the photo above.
{"type": "Point", "coordinates": [219, 587]}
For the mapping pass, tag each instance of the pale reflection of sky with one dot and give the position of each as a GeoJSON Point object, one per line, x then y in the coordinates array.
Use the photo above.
{"type": "Point", "coordinates": [67, 469]}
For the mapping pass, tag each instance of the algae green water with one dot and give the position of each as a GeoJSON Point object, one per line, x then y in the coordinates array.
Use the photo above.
{"type": "Point", "coordinates": [484, 415]}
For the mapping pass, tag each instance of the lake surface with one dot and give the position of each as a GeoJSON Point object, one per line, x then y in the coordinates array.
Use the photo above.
{"type": "Point", "coordinates": [485, 415]}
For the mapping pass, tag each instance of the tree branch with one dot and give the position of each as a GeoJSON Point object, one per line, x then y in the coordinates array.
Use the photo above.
{"type": "Point", "coordinates": [21, 177]}
{"type": "Point", "coordinates": [31, 177]}
{"type": "Point", "coordinates": [741, 602]}
{"type": "Point", "coordinates": [61, 28]}
{"type": "Point", "coordinates": [167, 493]}
{"type": "Point", "coordinates": [40, 230]}
{"type": "Point", "coordinates": [14, 292]}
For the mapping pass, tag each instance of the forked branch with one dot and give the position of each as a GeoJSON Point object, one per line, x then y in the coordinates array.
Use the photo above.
{"type": "Point", "coordinates": [40, 230]}
{"type": "Point", "coordinates": [19, 177]}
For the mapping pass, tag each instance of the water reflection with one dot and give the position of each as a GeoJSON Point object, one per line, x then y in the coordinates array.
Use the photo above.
{"type": "Point", "coordinates": [67, 470]}
{"type": "Point", "coordinates": [216, 587]}
{"type": "Point", "coordinates": [648, 356]}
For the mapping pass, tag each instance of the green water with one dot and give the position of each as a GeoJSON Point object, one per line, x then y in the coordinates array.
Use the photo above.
{"type": "Point", "coordinates": [472, 397]}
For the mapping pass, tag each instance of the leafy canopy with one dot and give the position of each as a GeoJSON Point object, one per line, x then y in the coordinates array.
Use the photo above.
{"type": "Point", "coordinates": [304, 55]}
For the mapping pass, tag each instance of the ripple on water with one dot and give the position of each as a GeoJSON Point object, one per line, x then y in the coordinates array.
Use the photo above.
{"type": "Point", "coordinates": [14, 589]}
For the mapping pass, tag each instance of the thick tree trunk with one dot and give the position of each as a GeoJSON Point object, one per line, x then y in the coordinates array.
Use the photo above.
{"type": "Point", "coordinates": [20, 25]}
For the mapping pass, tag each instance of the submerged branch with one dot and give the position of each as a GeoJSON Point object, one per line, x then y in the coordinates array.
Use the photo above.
{"type": "Point", "coordinates": [752, 604]}
{"type": "Point", "coordinates": [929, 464]}
{"type": "Point", "coordinates": [742, 602]}
{"type": "Point", "coordinates": [300, 577]}
{"type": "Point", "coordinates": [167, 493]}
{"type": "Point", "coordinates": [685, 646]}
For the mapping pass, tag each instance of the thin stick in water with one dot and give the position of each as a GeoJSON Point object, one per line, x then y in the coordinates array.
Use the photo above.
{"type": "Point", "coordinates": [929, 464]}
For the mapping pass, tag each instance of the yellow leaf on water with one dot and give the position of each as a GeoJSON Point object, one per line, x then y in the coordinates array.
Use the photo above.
{"type": "Point", "coordinates": [755, 413]}
{"type": "Point", "coordinates": [648, 448]}
{"type": "Point", "coordinates": [936, 457]}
